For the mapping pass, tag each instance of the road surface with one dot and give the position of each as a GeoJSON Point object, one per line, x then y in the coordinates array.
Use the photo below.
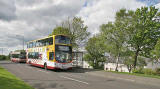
{"type": "Point", "coordinates": [72, 79]}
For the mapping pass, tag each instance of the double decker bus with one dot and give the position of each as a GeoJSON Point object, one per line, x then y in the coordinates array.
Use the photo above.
{"type": "Point", "coordinates": [18, 56]}
{"type": "Point", "coordinates": [53, 52]}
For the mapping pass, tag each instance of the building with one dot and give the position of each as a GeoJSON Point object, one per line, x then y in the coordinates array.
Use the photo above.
{"type": "Point", "coordinates": [78, 60]}
{"type": "Point", "coordinates": [112, 67]}
{"type": "Point", "coordinates": [152, 64]}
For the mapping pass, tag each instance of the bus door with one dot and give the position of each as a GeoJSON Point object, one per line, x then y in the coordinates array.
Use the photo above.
{"type": "Point", "coordinates": [50, 53]}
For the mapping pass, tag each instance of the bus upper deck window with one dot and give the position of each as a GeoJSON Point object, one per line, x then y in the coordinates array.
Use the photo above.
{"type": "Point", "coordinates": [62, 39]}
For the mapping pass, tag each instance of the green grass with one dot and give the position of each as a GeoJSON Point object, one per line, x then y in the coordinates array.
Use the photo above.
{"type": "Point", "coordinates": [9, 81]}
{"type": "Point", "coordinates": [137, 74]}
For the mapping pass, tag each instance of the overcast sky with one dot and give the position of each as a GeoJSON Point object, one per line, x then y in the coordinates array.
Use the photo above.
{"type": "Point", "coordinates": [35, 19]}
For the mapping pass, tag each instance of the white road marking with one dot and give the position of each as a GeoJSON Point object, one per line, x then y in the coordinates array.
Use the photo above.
{"type": "Point", "coordinates": [43, 71]}
{"type": "Point", "coordinates": [74, 79]}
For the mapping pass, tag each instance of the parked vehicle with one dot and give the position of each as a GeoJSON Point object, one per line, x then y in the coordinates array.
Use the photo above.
{"type": "Point", "coordinates": [18, 56]}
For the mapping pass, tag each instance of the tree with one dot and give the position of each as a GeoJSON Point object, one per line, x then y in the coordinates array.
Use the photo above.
{"type": "Point", "coordinates": [115, 34]}
{"type": "Point", "coordinates": [76, 29]}
{"type": "Point", "coordinates": [155, 53]}
{"type": "Point", "coordinates": [96, 49]}
{"type": "Point", "coordinates": [144, 33]}
{"type": "Point", "coordinates": [4, 57]}
{"type": "Point", "coordinates": [128, 61]}
{"type": "Point", "coordinates": [61, 30]}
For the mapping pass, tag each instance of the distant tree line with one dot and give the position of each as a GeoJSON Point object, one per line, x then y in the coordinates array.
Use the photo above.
{"type": "Point", "coordinates": [4, 57]}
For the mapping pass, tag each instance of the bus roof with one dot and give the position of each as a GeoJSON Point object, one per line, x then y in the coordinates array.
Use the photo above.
{"type": "Point", "coordinates": [40, 39]}
{"type": "Point", "coordinates": [47, 37]}
{"type": "Point", "coordinates": [15, 52]}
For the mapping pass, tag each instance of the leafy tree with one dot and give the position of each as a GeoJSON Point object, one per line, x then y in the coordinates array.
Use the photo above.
{"type": "Point", "coordinates": [115, 33]}
{"type": "Point", "coordinates": [76, 29]}
{"type": "Point", "coordinates": [61, 30]}
{"type": "Point", "coordinates": [96, 49]}
{"type": "Point", "coordinates": [136, 31]}
{"type": "Point", "coordinates": [144, 33]}
{"type": "Point", "coordinates": [3, 57]}
{"type": "Point", "coordinates": [128, 61]}
{"type": "Point", "coordinates": [155, 53]}
{"type": "Point", "coordinates": [128, 55]}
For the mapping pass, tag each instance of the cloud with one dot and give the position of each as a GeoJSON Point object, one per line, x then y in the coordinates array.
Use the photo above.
{"type": "Point", "coordinates": [32, 19]}
{"type": "Point", "coordinates": [98, 12]}
{"type": "Point", "coordinates": [7, 10]}
{"type": "Point", "coordinates": [158, 6]}
{"type": "Point", "coordinates": [150, 2]}
{"type": "Point", "coordinates": [35, 19]}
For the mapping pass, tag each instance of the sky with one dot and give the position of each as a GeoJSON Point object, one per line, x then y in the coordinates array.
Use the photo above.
{"type": "Point", "coordinates": [33, 19]}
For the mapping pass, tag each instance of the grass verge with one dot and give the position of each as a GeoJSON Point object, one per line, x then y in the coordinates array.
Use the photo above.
{"type": "Point", "coordinates": [9, 81]}
{"type": "Point", "coordinates": [136, 74]}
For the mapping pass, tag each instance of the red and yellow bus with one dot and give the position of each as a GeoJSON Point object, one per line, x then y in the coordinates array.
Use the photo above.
{"type": "Point", "coordinates": [18, 56]}
{"type": "Point", "coordinates": [53, 52]}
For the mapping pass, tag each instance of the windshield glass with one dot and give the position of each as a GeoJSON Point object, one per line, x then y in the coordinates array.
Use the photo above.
{"type": "Point", "coordinates": [22, 55]}
{"type": "Point", "coordinates": [62, 39]}
{"type": "Point", "coordinates": [63, 54]}
{"type": "Point", "coordinates": [15, 55]}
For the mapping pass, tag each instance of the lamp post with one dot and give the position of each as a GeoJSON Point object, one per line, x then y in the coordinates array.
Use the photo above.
{"type": "Point", "coordinates": [23, 39]}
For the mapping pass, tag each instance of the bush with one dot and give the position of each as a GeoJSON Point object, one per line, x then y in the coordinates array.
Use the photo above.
{"type": "Point", "coordinates": [3, 57]}
{"type": "Point", "coordinates": [144, 71]}
{"type": "Point", "coordinates": [149, 72]}
{"type": "Point", "coordinates": [139, 70]}
{"type": "Point", "coordinates": [158, 71]}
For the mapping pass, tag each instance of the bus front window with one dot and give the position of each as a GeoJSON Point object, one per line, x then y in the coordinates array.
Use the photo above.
{"type": "Point", "coordinates": [63, 54]}
{"type": "Point", "coordinates": [62, 39]}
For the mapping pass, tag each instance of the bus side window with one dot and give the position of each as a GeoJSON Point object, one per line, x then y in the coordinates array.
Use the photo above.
{"type": "Point", "coordinates": [27, 45]}
{"type": "Point", "coordinates": [36, 55]}
{"type": "Point", "coordinates": [30, 45]}
{"type": "Point", "coordinates": [50, 40]}
{"type": "Point", "coordinates": [30, 55]}
{"type": "Point", "coordinates": [51, 55]}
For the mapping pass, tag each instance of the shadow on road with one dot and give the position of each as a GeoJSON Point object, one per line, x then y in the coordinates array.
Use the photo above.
{"type": "Point", "coordinates": [73, 70]}
{"type": "Point", "coordinates": [77, 70]}
{"type": "Point", "coordinates": [9, 62]}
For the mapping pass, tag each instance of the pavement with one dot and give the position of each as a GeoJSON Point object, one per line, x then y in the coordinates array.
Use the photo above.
{"type": "Point", "coordinates": [77, 78]}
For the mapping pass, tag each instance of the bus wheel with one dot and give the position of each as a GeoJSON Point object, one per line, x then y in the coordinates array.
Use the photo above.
{"type": "Point", "coordinates": [45, 66]}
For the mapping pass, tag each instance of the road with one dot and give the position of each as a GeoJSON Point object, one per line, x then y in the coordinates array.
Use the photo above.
{"type": "Point", "coordinates": [70, 79]}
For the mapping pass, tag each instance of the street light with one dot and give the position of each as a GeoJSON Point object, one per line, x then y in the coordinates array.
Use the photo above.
{"type": "Point", "coordinates": [23, 39]}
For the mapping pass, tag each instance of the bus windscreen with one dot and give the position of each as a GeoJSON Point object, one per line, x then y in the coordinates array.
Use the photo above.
{"type": "Point", "coordinates": [63, 54]}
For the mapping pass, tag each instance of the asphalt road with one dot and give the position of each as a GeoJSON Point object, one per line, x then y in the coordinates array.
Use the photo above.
{"type": "Point", "coordinates": [70, 79]}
